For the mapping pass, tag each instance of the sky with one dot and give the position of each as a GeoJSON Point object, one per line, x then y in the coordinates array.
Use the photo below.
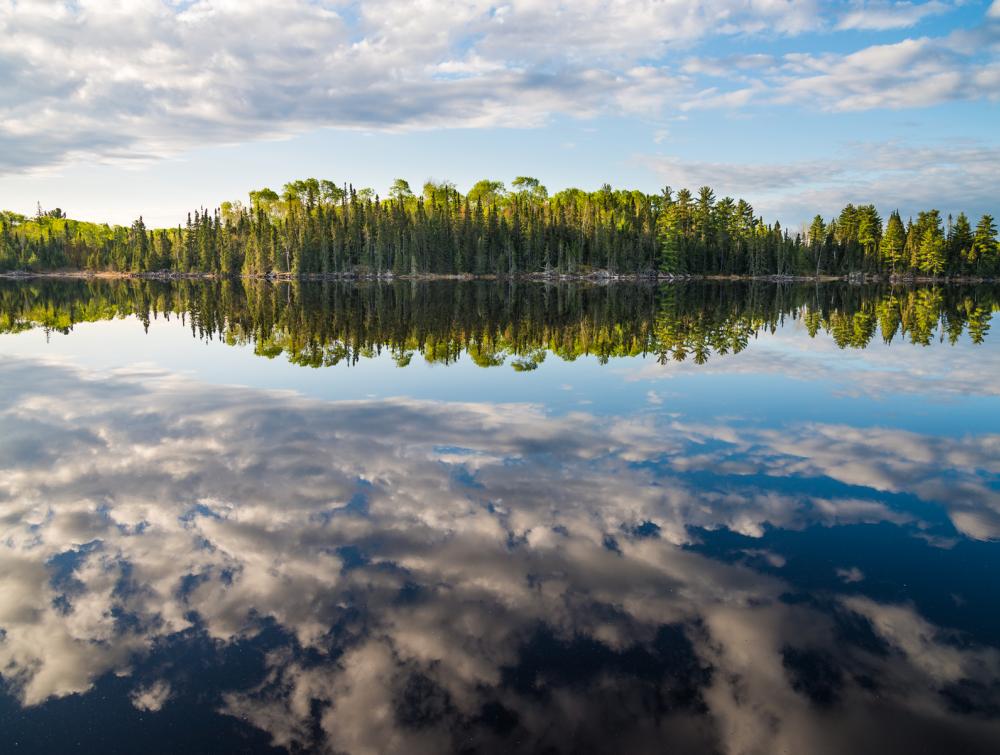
{"type": "Point", "coordinates": [111, 109]}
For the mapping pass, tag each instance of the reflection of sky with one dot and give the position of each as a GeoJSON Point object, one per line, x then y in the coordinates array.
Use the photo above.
{"type": "Point", "coordinates": [778, 550]}
{"type": "Point", "coordinates": [785, 377]}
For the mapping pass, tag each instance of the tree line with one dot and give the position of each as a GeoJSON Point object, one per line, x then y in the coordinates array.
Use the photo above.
{"type": "Point", "coordinates": [319, 228]}
{"type": "Point", "coordinates": [495, 323]}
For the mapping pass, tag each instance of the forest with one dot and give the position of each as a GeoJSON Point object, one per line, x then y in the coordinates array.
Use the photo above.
{"type": "Point", "coordinates": [319, 228]}
{"type": "Point", "coordinates": [494, 323]}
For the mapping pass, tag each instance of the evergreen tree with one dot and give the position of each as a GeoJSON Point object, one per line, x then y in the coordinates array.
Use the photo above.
{"type": "Point", "coordinates": [985, 254]}
{"type": "Point", "coordinates": [959, 244]}
{"type": "Point", "coordinates": [893, 242]}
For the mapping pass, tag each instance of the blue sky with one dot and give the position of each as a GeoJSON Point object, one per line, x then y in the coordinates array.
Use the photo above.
{"type": "Point", "coordinates": [113, 109]}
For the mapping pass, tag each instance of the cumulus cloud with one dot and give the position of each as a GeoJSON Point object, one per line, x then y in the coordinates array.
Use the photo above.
{"type": "Point", "coordinates": [221, 71]}
{"type": "Point", "coordinates": [881, 16]}
{"type": "Point", "coordinates": [74, 86]}
{"type": "Point", "coordinates": [914, 72]}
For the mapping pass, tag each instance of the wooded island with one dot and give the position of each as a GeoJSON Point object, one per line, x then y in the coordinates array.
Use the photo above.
{"type": "Point", "coordinates": [320, 228]}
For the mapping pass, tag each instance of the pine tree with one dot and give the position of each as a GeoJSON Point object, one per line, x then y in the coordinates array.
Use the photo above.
{"type": "Point", "coordinates": [893, 242]}
{"type": "Point", "coordinates": [985, 253]}
{"type": "Point", "coordinates": [931, 250]}
{"type": "Point", "coordinates": [959, 244]}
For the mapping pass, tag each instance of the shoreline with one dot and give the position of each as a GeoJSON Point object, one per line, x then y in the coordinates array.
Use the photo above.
{"type": "Point", "coordinates": [599, 277]}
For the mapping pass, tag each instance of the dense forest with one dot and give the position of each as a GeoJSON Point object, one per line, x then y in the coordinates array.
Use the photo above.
{"type": "Point", "coordinates": [504, 322]}
{"type": "Point", "coordinates": [316, 227]}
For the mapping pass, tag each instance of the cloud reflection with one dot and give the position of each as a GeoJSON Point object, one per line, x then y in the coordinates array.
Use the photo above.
{"type": "Point", "coordinates": [475, 575]}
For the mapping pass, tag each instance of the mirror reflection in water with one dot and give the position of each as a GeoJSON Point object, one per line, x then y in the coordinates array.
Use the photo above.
{"type": "Point", "coordinates": [714, 517]}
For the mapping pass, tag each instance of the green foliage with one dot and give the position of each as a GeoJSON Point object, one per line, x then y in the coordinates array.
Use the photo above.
{"type": "Point", "coordinates": [498, 324]}
{"type": "Point", "coordinates": [317, 227]}
{"type": "Point", "coordinates": [985, 252]}
{"type": "Point", "coordinates": [486, 191]}
{"type": "Point", "coordinates": [893, 243]}
{"type": "Point", "coordinates": [400, 189]}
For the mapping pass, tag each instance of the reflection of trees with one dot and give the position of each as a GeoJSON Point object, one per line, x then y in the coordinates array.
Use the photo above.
{"type": "Point", "coordinates": [323, 324]}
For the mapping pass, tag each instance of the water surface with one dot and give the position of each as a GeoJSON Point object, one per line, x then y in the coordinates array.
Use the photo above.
{"type": "Point", "coordinates": [486, 517]}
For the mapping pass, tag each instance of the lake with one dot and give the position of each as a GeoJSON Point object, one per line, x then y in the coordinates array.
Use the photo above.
{"type": "Point", "coordinates": [424, 517]}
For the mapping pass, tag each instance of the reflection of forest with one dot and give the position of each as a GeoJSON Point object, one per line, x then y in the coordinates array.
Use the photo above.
{"type": "Point", "coordinates": [317, 324]}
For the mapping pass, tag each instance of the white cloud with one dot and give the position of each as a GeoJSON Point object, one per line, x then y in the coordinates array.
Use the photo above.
{"type": "Point", "coordinates": [881, 16]}
{"type": "Point", "coordinates": [915, 72]}
{"type": "Point", "coordinates": [74, 86]}
{"type": "Point", "coordinates": [911, 73]}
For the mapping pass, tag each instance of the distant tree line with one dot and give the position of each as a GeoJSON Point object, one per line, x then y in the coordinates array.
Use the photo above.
{"type": "Point", "coordinates": [316, 227]}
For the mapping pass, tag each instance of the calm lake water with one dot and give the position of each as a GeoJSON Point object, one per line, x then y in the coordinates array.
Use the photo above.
{"type": "Point", "coordinates": [484, 517]}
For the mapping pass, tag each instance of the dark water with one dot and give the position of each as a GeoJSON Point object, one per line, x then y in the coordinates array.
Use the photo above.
{"type": "Point", "coordinates": [474, 517]}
